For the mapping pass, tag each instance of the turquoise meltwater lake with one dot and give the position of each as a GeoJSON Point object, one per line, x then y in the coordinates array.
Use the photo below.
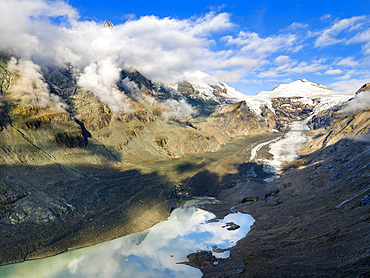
{"type": "Point", "coordinates": [156, 252]}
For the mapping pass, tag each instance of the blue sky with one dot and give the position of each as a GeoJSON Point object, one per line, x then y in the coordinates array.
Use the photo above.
{"type": "Point", "coordinates": [260, 15]}
{"type": "Point", "coordinates": [252, 45]}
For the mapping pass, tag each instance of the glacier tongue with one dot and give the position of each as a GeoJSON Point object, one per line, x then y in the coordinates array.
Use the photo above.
{"type": "Point", "coordinates": [286, 149]}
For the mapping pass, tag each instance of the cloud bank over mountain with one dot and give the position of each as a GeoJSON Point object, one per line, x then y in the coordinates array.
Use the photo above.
{"type": "Point", "coordinates": [31, 87]}
{"type": "Point", "coordinates": [165, 49]}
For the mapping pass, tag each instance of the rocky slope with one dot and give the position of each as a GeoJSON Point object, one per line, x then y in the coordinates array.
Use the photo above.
{"type": "Point", "coordinates": [349, 120]}
{"type": "Point", "coordinates": [311, 222]}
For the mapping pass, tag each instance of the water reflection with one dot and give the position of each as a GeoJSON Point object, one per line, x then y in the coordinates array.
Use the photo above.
{"type": "Point", "coordinates": [152, 253]}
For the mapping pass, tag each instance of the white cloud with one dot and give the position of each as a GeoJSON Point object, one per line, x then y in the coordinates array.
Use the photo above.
{"type": "Point", "coordinates": [348, 61]}
{"type": "Point", "coordinates": [303, 67]}
{"type": "Point", "coordinates": [348, 86]}
{"type": "Point", "coordinates": [166, 49]}
{"type": "Point", "coordinates": [282, 59]}
{"type": "Point", "coordinates": [366, 49]}
{"type": "Point", "coordinates": [344, 77]}
{"type": "Point", "coordinates": [279, 71]}
{"type": "Point", "coordinates": [25, 26]}
{"type": "Point", "coordinates": [361, 101]}
{"type": "Point", "coordinates": [240, 61]}
{"type": "Point", "coordinates": [269, 73]}
{"type": "Point", "coordinates": [329, 36]}
{"type": "Point", "coordinates": [212, 22]}
{"type": "Point", "coordinates": [363, 37]}
{"type": "Point", "coordinates": [294, 67]}
{"type": "Point", "coordinates": [101, 79]}
{"type": "Point", "coordinates": [174, 108]}
{"type": "Point", "coordinates": [230, 75]}
{"type": "Point", "coordinates": [325, 17]}
{"type": "Point", "coordinates": [217, 8]}
{"type": "Point", "coordinates": [160, 48]}
{"type": "Point", "coordinates": [130, 86]}
{"type": "Point", "coordinates": [30, 86]}
{"type": "Point", "coordinates": [252, 44]}
{"type": "Point", "coordinates": [333, 71]}
{"type": "Point", "coordinates": [298, 25]}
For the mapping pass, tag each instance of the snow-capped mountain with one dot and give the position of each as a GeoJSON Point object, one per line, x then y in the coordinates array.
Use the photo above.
{"type": "Point", "coordinates": [318, 96]}
{"type": "Point", "coordinates": [207, 88]}
{"type": "Point", "coordinates": [303, 91]}
{"type": "Point", "coordinates": [202, 92]}
{"type": "Point", "coordinates": [298, 88]}
{"type": "Point", "coordinates": [227, 93]}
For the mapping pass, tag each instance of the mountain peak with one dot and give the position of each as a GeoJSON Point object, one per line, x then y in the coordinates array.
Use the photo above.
{"type": "Point", "coordinates": [299, 88]}
{"type": "Point", "coordinates": [365, 87]}
{"type": "Point", "coordinates": [108, 24]}
{"type": "Point", "coordinates": [304, 80]}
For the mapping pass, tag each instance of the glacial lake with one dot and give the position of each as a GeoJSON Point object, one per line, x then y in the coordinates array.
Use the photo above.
{"type": "Point", "coordinates": [156, 252]}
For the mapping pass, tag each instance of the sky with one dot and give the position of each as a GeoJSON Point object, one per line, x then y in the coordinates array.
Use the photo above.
{"type": "Point", "coordinates": [251, 45]}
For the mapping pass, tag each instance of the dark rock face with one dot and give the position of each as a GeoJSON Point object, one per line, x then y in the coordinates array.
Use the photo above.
{"type": "Point", "coordinates": [273, 120]}
{"type": "Point", "coordinates": [108, 24]}
{"type": "Point", "coordinates": [231, 226]}
{"type": "Point", "coordinates": [5, 76]}
{"type": "Point", "coordinates": [71, 139]}
{"type": "Point", "coordinates": [364, 88]}
{"type": "Point", "coordinates": [218, 93]}
{"type": "Point", "coordinates": [325, 119]}
{"type": "Point", "coordinates": [287, 109]}
{"type": "Point", "coordinates": [95, 118]}
{"type": "Point", "coordinates": [186, 88]}
{"type": "Point", "coordinates": [292, 108]}
{"type": "Point", "coordinates": [32, 120]}
{"type": "Point", "coordinates": [201, 259]}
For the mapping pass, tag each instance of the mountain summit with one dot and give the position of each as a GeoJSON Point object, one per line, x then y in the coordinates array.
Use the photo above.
{"type": "Point", "coordinates": [108, 24]}
{"type": "Point", "coordinates": [298, 88]}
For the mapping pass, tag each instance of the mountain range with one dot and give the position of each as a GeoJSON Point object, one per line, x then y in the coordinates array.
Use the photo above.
{"type": "Point", "coordinates": [81, 166]}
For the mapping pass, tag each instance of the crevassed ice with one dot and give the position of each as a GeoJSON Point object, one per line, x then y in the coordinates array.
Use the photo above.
{"type": "Point", "coordinates": [286, 149]}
